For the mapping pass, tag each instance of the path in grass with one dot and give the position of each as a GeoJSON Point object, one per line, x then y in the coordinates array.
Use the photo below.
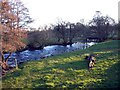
{"type": "Point", "coordinates": [69, 70]}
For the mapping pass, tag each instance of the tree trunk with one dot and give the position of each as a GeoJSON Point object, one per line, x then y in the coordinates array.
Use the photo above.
{"type": "Point", "coordinates": [4, 63]}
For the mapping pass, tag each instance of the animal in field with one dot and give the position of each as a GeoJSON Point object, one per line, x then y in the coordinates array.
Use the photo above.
{"type": "Point", "coordinates": [91, 61]}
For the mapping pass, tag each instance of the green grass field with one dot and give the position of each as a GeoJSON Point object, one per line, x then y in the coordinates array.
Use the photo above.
{"type": "Point", "coordinates": [69, 70]}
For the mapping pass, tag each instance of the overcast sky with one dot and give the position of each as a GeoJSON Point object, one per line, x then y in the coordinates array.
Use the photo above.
{"type": "Point", "coordinates": [48, 11]}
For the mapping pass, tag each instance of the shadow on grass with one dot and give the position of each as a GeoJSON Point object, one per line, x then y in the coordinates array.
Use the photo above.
{"type": "Point", "coordinates": [111, 79]}
{"type": "Point", "coordinates": [14, 74]}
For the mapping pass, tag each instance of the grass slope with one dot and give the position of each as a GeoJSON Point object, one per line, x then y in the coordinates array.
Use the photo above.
{"type": "Point", "coordinates": [70, 70]}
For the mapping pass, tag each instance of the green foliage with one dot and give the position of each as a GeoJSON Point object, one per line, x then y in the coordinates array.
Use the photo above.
{"type": "Point", "coordinates": [69, 71]}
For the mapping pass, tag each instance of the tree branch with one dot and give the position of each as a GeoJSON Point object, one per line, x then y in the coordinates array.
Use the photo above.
{"type": "Point", "coordinates": [6, 59]}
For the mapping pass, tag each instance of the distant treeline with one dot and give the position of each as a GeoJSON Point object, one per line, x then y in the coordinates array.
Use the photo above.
{"type": "Point", "coordinates": [99, 29]}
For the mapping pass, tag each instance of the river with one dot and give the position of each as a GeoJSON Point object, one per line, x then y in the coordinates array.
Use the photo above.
{"type": "Point", "coordinates": [47, 51]}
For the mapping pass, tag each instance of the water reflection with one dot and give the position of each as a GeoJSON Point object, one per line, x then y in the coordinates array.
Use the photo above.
{"type": "Point", "coordinates": [45, 52]}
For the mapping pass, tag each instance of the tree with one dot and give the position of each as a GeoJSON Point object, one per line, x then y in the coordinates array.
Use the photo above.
{"type": "Point", "coordinates": [40, 37]}
{"type": "Point", "coordinates": [73, 31]}
{"type": "Point", "coordinates": [37, 39]}
{"type": "Point", "coordinates": [82, 31]}
{"type": "Point", "coordinates": [21, 12]}
{"type": "Point", "coordinates": [100, 26]}
{"type": "Point", "coordinates": [65, 31]}
{"type": "Point", "coordinates": [11, 37]}
{"type": "Point", "coordinates": [116, 32]}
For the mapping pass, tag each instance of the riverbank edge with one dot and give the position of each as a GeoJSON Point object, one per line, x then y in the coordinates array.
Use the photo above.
{"type": "Point", "coordinates": [91, 49]}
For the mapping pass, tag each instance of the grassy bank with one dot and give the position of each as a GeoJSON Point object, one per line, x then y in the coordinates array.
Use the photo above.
{"type": "Point", "coordinates": [70, 70]}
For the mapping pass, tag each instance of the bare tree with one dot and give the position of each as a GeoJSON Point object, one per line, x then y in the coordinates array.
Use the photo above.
{"type": "Point", "coordinates": [100, 25]}
{"type": "Point", "coordinates": [39, 38]}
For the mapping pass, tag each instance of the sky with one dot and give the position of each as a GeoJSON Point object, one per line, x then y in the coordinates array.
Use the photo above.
{"type": "Point", "coordinates": [46, 12]}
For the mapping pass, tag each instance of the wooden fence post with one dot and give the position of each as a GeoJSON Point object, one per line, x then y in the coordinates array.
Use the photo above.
{"type": "Point", "coordinates": [16, 64]}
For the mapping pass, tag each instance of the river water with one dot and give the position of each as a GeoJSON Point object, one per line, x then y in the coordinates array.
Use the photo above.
{"type": "Point", "coordinates": [47, 51]}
